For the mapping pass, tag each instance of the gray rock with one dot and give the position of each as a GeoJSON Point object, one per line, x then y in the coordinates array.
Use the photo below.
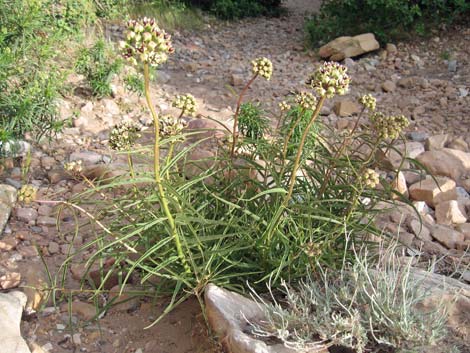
{"type": "Point", "coordinates": [11, 309]}
{"type": "Point", "coordinates": [14, 149]}
{"type": "Point", "coordinates": [88, 157]}
{"type": "Point", "coordinates": [452, 66]}
{"type": "Point", "coordinates": [417, 136]}
{"type": "Point", "coordinates": [7, 199]}
{"type": "Point", "coordinates": [446, 236]}
{"type": "Point", "coordinates": [26, 214]}
{"type": "Point", "coordinates": [15, 183]}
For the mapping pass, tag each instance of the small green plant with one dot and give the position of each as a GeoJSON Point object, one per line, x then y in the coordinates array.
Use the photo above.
{"type": "Point", "coordinates": [234, 9]}
{"type": "Point", "coordinates": [98, 65]}
{"type": "Point", "coordinates": [365, 306]}
{"type": "Point", "coordinates": [252, 121]}
{"type": "Point", "coordinates": [134, 83]}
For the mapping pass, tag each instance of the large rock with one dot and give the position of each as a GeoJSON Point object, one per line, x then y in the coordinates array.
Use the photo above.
{"type": "Point", "coordinates": [11, 309]}
{"type": "Point", "coordinates": [228, 314]}
{"type": "Point", "coordinates": [346, 107]}
{"type": "Point", "coordinates": [449, 212]}
{"type": "Point", "coordinates": [446, 236]}
{"type": "Point", "coordinates": [432, 191]}
{"type": "Point", "coordinates": [349, 47]}
{"type": "Point", "coordinates": [450, 293]}
{"type": "Point", "coordinates": [448, 162]}
{"type": "Point", "coordinates": [436, 142]}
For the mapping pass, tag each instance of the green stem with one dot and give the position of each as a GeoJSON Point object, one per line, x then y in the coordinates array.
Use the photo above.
{"type": "Point", "coordinates": [131, 165]}
{"type": "Point", "coordinates": [158, 180]}
{"type": "Point", "coordinates": [337, 156]}
{"type": "Point", "coordinates": [237, 112]}
{"type": "Point", "coordinates": [293, 176]}
{"type": "Point", "coordinates": [168, 158]}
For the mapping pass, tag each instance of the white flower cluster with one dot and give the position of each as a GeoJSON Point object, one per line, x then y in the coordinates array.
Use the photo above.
{"type": "Point", "coordinates": [368, 101]}
{"type": "Point", "coordinates": [330, 79]}
{"type": "Point", "coordinates": [389, 126]}
{"type": "Point", "coordinates": [370, 178]}
{"type": "Point", "coordinates": [27, 193]}
{"type": "Point", "coordinates": [171, 126]}
{"type": "Point", "coordinates": [124, 135]}
{"type": "Point", "coordinates": [74, 167]}
{"type": "Point", "coordinates": [187, 104]}
{"type": "Point", "coordinates": [263, 67]}
{"type": "Point", "coordinates": [306, 100]}
{"type": "Point", "coordinates": [284, 106]}
{"type": "Point", "coordinates": [146, 42]}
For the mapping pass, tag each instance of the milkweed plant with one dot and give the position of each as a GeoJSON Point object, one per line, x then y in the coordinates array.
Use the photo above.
{"type": "Point", "coordinates": [267, 196]}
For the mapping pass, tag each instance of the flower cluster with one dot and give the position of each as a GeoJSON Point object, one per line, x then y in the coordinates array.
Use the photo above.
{"type": "Point", "coordinates": [330, 79]}
{"type": "Point", "coordinates": [368, 101]}
{"type": "Point", "coordinates": [284, 106]}
{"type": "Point", "coordinates": [389, 126]}
{"type": "Point", "coordinates": [312, 249]}
{"type": "Point", "coordinates": [147, 42]}
{"type": "Point", "coordinates": [171, 126]}
{"type": "Point", "coordinates": [370, 178]}
{"type": "Point", "coordinates": [263, 67]}
{"type": "Point", "coordinates": [124, 135]}
{"type": "Point", "coordinates": [187, 104]}
{"type": "Point", "coordinates": [306, 100]}
{"type": "Point", "coordinates": [27, 193]}
{"type": "Point", "coordinates": [74, 167]}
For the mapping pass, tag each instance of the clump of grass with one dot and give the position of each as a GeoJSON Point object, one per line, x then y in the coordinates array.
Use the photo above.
{"type": "Point", "coordinates": [98, 64]}
{"type": "Point", "coordinates": [365, 306]}
{"type": "Point", "coordinates": [172, 15]}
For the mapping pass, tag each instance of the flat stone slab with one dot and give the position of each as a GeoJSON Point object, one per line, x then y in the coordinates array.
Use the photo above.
{"type": "Point", "coordinates": [11, 309]}
{"type": "Point", "coordinates": [229, 315]}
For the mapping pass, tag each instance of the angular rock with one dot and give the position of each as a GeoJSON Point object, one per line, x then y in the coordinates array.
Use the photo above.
{"type": "Point", "coordinates": [464, 229]}
{"type": "Point", "coordinates": [391, 48]}
{"type": "Point", "coordinates": [399, 184]}
{"type": "Point", "coordinates": [449, 212]}
{"type": "Point", "coordinates": [405, 238]}
{"type": "Point", "coordinates": [346, 107]}
{"type": "Point", "coordinates": [459, 144]}
{"type": "Point", "coordinates": [126, 301]}
{"type": "Point", "coordinates": [10, 280]}
{"type": "Point", "coordinates": [84, 310]}
{"type": "Point", "coordinates": [446, 236]}
{"type": "Point", "coordinates": [11, 309]}
{"type": "Point", "coordinates": [433, 248]}
{"type": "Point", "coordinates": [349, 47]}
{"type": "Point", "coordinates": [436, 142]}
{"type": "Point", "coordinates": [417, 136]}
{"type": "Point", "coordinates": [419, 230]}
{"type": "Point", "coordinates": [26, 214]}
{"type": "Point", "coordinates": [111, 106]}
{"type": "Point", "coordinates": [228, 314]}
{"type": "Point", "coordinates": [7, 200]}
{"type": "Point", "coordinates": [46, 221]}
{"type": "Point", "coordinates": [432, 193]}
{"type": "Point", "coordinates": [450, 293]}
{"type": "Point", "coordinates": [388, 86]}
{"type": "Point", "coordinates": [88, 157]}
{"type": "Point", "coordinates": [237, 80]}
{"type": "Point", "coordinates": [447, 162]}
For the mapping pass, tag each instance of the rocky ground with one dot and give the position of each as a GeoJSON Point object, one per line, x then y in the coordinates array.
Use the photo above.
{"type": "Point", "coordinates": [427, 80]}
